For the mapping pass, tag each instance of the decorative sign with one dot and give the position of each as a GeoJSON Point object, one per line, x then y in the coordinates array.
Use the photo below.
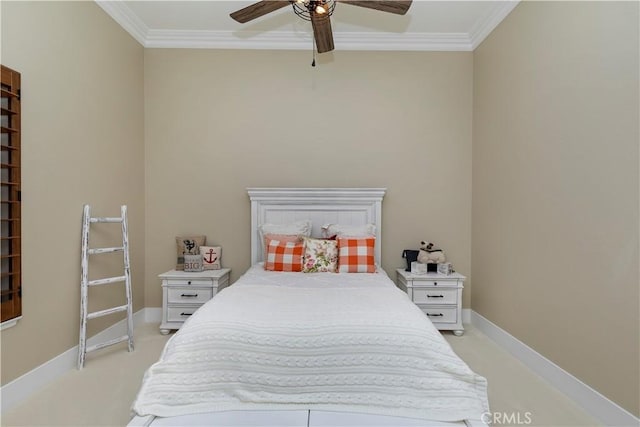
{"type": "Point", "coordinates": [211, 256]}
{"type": "Point", "coordinates": [192, 262]}
{"type": "Point", "coordinates": [187, 245]}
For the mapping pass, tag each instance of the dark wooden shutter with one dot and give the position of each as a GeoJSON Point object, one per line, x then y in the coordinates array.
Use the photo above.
{"type": "Point", "coordinates": [11, 198]}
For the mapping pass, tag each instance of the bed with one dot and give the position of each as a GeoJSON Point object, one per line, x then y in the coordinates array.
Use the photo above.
{"type": "Point", "coordinates": [310, 349]}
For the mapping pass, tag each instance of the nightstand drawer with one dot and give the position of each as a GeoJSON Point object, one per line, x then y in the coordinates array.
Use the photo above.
{"type": "Point", "coordinates": [180, 314]}
{"type": "Point", "coordinates": [189, 295]}
{"type": "Point", "coordinates": [441, 314]}
{"type": "Point", "coordinates": [435, 296]}
{"type": "Point", "coordinates": [189, 282]}
{"type": "Point", "coordinates": [437, 283]}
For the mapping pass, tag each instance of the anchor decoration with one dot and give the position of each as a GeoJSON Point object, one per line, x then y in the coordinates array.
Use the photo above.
{"type": "Point", "coordinates": [211, 257]}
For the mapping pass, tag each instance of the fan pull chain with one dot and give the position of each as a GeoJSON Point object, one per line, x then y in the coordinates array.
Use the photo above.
{"type": "Point", "coordinates": [313, 50]}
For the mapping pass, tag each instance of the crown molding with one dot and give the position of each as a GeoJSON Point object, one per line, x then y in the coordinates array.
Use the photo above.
{"type": "Point", "coordinates": [281, 40]}
{"type": "Point", "coordinates": [204, 39]}
{"type": "Point", "coordinates": [484, 27]}
{"type": "Point", "coordinates": [126, 18]}
{"type": "Point", "coordinates": [403, 42]}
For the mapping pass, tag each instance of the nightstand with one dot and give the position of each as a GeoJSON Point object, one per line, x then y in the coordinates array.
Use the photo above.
{"type": "Point", "coordinates": [184, 292]}
{"type": "Point", "coordinates": [438, 295]}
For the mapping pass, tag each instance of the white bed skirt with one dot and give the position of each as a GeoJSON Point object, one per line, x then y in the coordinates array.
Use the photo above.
{"type": "Point", "coordinates": [292, 419]}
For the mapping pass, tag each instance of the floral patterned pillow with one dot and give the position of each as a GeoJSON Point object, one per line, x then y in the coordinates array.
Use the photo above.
{"type": "Point", "coordinates": [320, 256]}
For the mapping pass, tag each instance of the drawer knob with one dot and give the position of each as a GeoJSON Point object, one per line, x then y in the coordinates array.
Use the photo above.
{"type": "Point", "coordinates": [189, 295]}
{"type": "Point", "coordinates": [435, 315]}
{"type": "Point", "coordinates": [189, 314]}
{"type": "Point", "coordinates": [189, 282]}
{"type": "Point", "coordinates": [435, 296]}
{"type": "Point", "coordinates": [434, 283]}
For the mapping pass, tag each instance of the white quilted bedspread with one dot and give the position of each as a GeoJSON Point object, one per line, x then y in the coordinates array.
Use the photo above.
{"type": "Point", "coordinates": [339, 342]}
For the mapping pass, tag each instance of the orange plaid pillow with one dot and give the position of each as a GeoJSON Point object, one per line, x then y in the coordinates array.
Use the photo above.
{"type": "Point", "coordinates": [284, 256]}
{"type": "Point", "coordinates": [282, 238]}
{"type": "Point", "coordinates": [356, 255]}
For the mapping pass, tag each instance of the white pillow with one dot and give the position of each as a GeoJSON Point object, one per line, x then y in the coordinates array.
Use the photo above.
{"type": "Point", "coordinates": [298, 228]}
{"type": "Point", "coordinates": [340, 230]}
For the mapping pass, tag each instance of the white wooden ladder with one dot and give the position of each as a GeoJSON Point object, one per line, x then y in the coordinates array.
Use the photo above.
{"type": "Point", "coordinates": [85, 283]}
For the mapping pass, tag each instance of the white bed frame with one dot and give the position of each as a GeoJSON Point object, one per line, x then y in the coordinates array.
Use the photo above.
{"type": "Point", "coordinates": [345, 206]}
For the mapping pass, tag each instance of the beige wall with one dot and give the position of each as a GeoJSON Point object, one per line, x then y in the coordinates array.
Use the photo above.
{"type": "Point", "coordinates": [555, 187]}
{"type": "Point", "coordinates": [552, 95]}
{"type": "Point", "coordinates": [82, 105]}
{"type": "Point", "coordinates": [217, 122]}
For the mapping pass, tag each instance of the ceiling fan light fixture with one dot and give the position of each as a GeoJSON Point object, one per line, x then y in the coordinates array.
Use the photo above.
{"type": "Point", "coordinates": [304, 8]}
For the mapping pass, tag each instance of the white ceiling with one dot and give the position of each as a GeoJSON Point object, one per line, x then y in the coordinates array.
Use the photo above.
{"type": "Point", "coordinates": [448, 25]}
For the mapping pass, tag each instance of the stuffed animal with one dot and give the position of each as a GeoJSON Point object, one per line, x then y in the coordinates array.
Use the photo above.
{"type": "Point", "coordinates": [429, 254]}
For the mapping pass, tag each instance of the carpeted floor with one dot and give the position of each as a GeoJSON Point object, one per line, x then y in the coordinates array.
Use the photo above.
{"type": "Point", "coordinates": [101, 394]}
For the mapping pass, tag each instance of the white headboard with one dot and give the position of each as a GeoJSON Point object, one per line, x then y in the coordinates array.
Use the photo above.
{"type": "Point", "coordinates": [347, 206]}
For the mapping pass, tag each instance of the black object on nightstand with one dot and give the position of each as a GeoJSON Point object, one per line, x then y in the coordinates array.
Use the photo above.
{"type": "Point", "coordinates": [411, 256]}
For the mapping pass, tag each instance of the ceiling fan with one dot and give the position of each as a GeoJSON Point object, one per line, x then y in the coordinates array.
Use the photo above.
{"type": "Point", "coordinates": [319, 13]}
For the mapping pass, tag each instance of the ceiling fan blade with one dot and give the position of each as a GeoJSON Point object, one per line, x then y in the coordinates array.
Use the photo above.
{"type": "Point", "coordinates": [257, 10]}
{"type": "Point", "coordinates": [399, 7]}
{"type": "Point", "coordinates": [322, 31]}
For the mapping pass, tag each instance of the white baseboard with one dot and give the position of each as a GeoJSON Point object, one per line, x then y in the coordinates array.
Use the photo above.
{"type": "Point", "coordinates": [22, 387]}
{"type": "Point", "coordinates": [153, 314]}
{"type": "Point", "coordinates": [594, 403]}
{"type": "Point", "coordinates": [466, 315]}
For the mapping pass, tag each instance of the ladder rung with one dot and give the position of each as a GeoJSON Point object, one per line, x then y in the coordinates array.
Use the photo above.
{"type": "Point", "coordinates": [106, 312]}
{"type": "Point", "coordinates": [107, 343]}
{"type": "Point", "coordinates": [106, 281]}
{"type": "Point", "coordinates": [105, 250]}
{"type": "Point", "coordinates": [105, 220]}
